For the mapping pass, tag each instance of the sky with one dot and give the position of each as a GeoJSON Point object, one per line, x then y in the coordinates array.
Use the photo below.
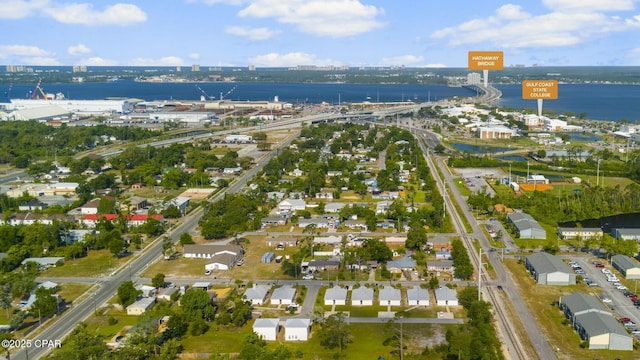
{"type": "Point", "coordinates": [285, 33]}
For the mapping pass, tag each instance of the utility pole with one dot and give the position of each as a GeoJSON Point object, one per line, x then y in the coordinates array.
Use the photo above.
{"type": "Point", "coordinates": [479, 273]}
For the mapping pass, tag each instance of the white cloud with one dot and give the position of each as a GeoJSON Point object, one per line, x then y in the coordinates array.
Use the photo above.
{"type": "Point", "coordinates": [261, 33]}
{"type": "Point", "coordinates": [588, 5]}
{"type": "Point", "coordinates": [512, 28]}
{"type": "Point", "coordinates": [23, 50]}
{"type": "Point", "coordinates": [335, 18]}
{"type": "Point", "coordinates": [194, 56]}
{"type": "Point", "coordinates": [437, 65]}
{"type": "Point", "coordinates": [80, 49]}
{"type": "Point", "coordinates": [214, 2]}
{"type": "Point", "coordinates": [18, 9]}
{"type": "Point", "coordinates": [165, 61]}
{"type": "Point", "coordinates": [40, 61]}
{"type": "Point", "coordinates": [98, 61]}
{"type": "Point", "coordinates": [402, 60]}
{"type": "Point", "coordinates": [290, 59]}
{"type": "Point", "coordinates": [85, 14]}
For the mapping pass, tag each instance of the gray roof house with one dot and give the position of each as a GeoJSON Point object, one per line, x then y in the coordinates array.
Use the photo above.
{"type": "Point", "coordinates": [257, 294]}
{"type": "Point", "coordinates": [389, 296]}
{"type": "Point", "coordinates": [362, 296]}
{"type": "Point", "coordinates": [627, 266]}
{"type": "Point", "coordinates": [446, 296]}
{"type": "Point", "coordinates": [548, 269]}
{"type": "Point", "coordinates": [283, 295]}
{"type": "Point", "coordinates": [399, 265]}
{"type": "Point", "coordinates": [578, 304]}
{"type": "Point", "coordinates": [527, 227]}
{"type": "Point", "coordinates": [417, 296]}
{"type": "Point", "coordinates": [603, 332]}
{"type": "Point", "coordinates": [335, 296]}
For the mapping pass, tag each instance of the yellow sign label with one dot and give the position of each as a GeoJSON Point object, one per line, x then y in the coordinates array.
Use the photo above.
{"type": "Point", "coordinates": [540, 89]}
{"type": "Point", "coordinates": [486, 60]}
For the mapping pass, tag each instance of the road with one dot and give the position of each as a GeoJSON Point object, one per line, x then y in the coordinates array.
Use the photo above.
{"type": "Point", "coordinates": [514, 344]}
{"type": "Point", "coordinates": [100, 294]}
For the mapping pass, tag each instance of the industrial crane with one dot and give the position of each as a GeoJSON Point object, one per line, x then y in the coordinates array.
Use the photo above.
{"type": "Point", "coordinates": [204, 93]}
{"type": "Point", "coordinates": [228, 92]}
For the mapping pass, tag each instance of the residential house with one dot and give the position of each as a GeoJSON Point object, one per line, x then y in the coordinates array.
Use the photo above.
{"type": "Point", "coordinates": [389, 296]}
{"type": "Point", "coordinates": [318, 222]}
{"type": "Point", "coordinates": [402, 264]}
{"type": "Point", "coordinates": [446, 297]}
{"type": "Point", "coordinates": [297, 329]}
{"type": "Point", "coordinates": [417, 296]}
{"type": "Point", "coordinates": [267, 329]}
{"type": "Point", "coordinates": [440, 265]}
{"type": "Point", "coordinates": [141, 306]}
{"type": "Point", "coordinates": [291, 205]}
{"type": "Point", "coordinates": [283, 295]}
{"type": "Point", "coordinates": [165, 294]}
{"type": "Point", "coordinates": [335, 296]}
{"type": "Point", "coordinates": [356, 225]}
{"type": "Point", "coordinates": [362, 296]}
{"type": "Point", "coordinates": [273, 221]}
{"type": "Point", "coordinates": [90, 207]}
{"type": "Point", "coordinates": [323, 264]}
{"type": "Point", "coordinates": [256, 295]}
{"type": "Point", "coordinates": [32, 205]}
{"type": "Point", "coordinates": [334, 207]}
{"type": "Point", "coordinates": [325, 193]}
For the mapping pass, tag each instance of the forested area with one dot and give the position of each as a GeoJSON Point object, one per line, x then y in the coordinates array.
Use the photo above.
{"type": "Point", "coordinates": [23, 142]}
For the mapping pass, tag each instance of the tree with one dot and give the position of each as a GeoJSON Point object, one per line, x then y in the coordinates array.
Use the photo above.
{"type": "Point", "coordinates": [158, 280]}
{"type": "Point", "coordinates": [434, 283]}
{"type": "Point", "coordinates": [46, 303]}
{"type": "Point", "coordinates": [116, 246]}
{"type": "Point", "coordinates": [127, 293]}
{"type": "Point", "coordinates": [177, 326]}
{"type": "Point", "coordinates": [196, 304]}
{"type": "Point", "coordinates": [185, 239]}
{"type": "Point", "coordinates": [82, 343]}
{"type": "Point", "coordinates": [17, 319]}
{"type": "Point", "coordinates": [335, 332]}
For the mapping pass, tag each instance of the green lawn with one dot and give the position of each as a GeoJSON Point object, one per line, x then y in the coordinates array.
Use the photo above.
{"type": "Point", "coordinates": [96, 263]}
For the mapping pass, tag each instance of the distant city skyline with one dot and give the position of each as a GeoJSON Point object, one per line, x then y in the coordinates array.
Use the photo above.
{"type": "Point", "coordinates": [288, 33]}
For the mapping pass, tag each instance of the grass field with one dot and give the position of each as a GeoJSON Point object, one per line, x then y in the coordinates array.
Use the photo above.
{"type": "Point", "coordinates": [96, 263]}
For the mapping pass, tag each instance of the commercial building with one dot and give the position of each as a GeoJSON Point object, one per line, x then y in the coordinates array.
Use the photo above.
{"type": "Point", "coordinates": [628, 267]}
{"type": "Point", "coordinates": [548, 269]}
{"type": "Point", "coordinates": [527, 227]}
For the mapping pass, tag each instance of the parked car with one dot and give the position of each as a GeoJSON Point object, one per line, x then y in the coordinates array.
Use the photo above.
{"type": "Point", "coordinates": [624, 319]}
{"type": "Point", "coordinates": [307, 277]}
{"type": "Point", "coordinates": [607, 301]}
{"type": "Point", "coordinates": [599, 265]}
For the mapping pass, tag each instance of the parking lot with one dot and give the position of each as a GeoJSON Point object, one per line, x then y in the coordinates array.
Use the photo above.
{"type": "Point", "coordinates": [603, 279]}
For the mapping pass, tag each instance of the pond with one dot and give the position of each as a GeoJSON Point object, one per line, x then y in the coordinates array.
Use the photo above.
{"type": "Point", "coordinates": [518, 158]}
{"type": "Point", "coordinates": [588, 137]}
{"type": "Point", "coordinates": [479, 149]}
{"type": "Point", "coordinates": [607, 223]}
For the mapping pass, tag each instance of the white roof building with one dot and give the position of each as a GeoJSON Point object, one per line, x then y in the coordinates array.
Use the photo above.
{"type": "Point", "coordinates": [362, 296]}
{"type": "Point", "coordinates": [335, 296]}
{"type": "Point", "coordinates": [141, 306]}
{"type": "Point", "coordinates": [257, 294]}
{"type": "Point", "coordinates": [389, 296]}
{"type": "Point", "coordinates": [267, 329]}
{"type": "Point", "coordinates": [446, 296]}
{"type": "Point", "coordinates": [418, 296]}
{"type": "Point", "coordinates": [296, 329]}
{"type": "Point", "coordinates": [283, 295]}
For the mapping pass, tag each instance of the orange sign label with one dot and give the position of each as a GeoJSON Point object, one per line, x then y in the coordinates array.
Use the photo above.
{"type": "Point", "coordinates": [486, 60]}
{"type": "Point", "coordinates": [539, 89]}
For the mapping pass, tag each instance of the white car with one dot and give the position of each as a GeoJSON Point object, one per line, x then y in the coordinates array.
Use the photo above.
{"type": "Point", "coordinates": [622, 287]}
{"type": "Point", "coordinates": [607, 301]}
{"type": "Point", "coordinates": [606, 271]}
{"type": "Point", "coordinates": [307, 277]}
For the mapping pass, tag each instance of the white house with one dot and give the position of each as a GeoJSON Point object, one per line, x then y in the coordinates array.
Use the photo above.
{"type": "Point", "coordinates": [141, 306]}
{"type": "Point", "coordinates": [335, 296]}
{"type": "Point", "coordinates": [362, 296]}
{"type": "Point", "coordinates": [291, 205]}
{"type": "Point", "coordinates": [297, 329]}
{"type": "Point", "coordinates": [446, 296]}
{"type": "Point", "coordinates": [389, 296]}
{"type": "Point", "coordinates": [283, 295]}
{"type": "Point", "coordinates": [257, 294]}
{"type": "Point", "coordinates": [267, 329]}
{"type": "Point", "coordinates": [417, 296]}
